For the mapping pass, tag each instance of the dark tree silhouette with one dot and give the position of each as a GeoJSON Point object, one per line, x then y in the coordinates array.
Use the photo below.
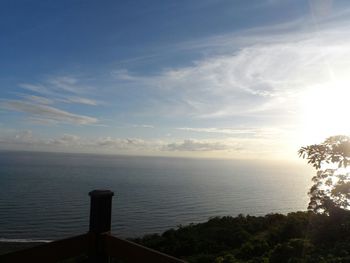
{"type": "Point", "coordinates": [331, 189]}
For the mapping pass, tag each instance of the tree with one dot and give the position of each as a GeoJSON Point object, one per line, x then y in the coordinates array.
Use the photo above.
{"type": "Point", "coordinates": [331, 188]}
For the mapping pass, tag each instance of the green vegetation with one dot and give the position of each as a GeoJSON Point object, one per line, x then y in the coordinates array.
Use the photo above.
{"type": "Point", "coordinates": [275, 238]}
{"type": "Point", "coordinates": [331, 189]}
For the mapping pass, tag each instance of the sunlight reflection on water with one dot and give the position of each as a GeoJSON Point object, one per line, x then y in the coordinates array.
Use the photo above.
{"type": "Point", "coordinates": [45, 196]}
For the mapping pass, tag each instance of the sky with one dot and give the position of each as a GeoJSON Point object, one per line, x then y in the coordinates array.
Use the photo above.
{"type": "Point", "coordinates": [244, 79]}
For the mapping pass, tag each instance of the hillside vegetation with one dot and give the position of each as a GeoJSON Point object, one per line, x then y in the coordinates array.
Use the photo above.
{"type": "Point", "coordinates": [275, 238]}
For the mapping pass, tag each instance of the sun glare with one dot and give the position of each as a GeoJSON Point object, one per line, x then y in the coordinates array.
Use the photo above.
{"type": "Point", "coordinates": [325, 111]}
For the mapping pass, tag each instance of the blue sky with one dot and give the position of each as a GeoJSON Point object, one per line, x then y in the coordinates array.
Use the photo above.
{"type": "Point", "coordinates": [209, 78]}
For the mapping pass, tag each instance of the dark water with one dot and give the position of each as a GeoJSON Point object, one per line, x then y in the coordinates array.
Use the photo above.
{"type": "Point", "coordinates": [45, 196]}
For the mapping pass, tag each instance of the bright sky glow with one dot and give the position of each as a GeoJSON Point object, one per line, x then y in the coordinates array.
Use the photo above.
{"type": "Point", "coordinates": [212, 78]}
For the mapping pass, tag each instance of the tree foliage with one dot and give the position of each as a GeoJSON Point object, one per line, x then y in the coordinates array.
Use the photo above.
{"type": "Point", "coordinates": [331, 189]}
{"type": "Point", "coordinates": [303, 237]}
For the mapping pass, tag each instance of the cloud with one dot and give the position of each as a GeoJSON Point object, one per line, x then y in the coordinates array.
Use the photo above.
{"type": "Point", "coordinates": [143, 126]}
{"type": "Point", "coordinates": [230, 131]}
{"type": "Point", "coordinates": [25, 137]}
{"type": "Point", "coordinates": [37, 99]}
{"type": "Point", "coordinates": [237, 132]}
{"type": "Point", "coordinates": [42, 102]}
{"type": "Point", "coordinates": [115, 144]}
{"type": "Point", "coordinates": [215, 147]}
{"type": "Point", "coordinates": [195, 146]}
{"type": "Point", "coordinates": [124, 144]}
{"type": "Point", "coordinates": [35, 88]}
{"type": "Point", "coordinates": [70, 142]}
{"type": "Point", "coordinates": [122, 74]}
{"type": "Point", "coordinates": [22, 138]}
{"type": "Point", "coordinates": [80, 100]}
{"type": "Point", "coordinates": [65, 83]}
{"type": "Point", "coordinates": [60, 89]}
{"type": "Point", "coordinates": [45, 112]}
{"type": "Point", "coordinates": [66, 139]}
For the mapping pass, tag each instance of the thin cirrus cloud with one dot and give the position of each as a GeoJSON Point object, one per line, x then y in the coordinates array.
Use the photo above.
{"type": "Point", "coordinates": [46, 113]}
{"type": "Point", "coordinates": [39, 102]}
{"type": "Point", "coordinates": [237, 132]}
{"type": "Point", "coordinates": [79, 100]}
{"type": "Point", "coordinates": [61, 89]}
{"type": "Point", "coordinates": [264, 77]}
{"type": "Point", "coordinates": [37, 99]}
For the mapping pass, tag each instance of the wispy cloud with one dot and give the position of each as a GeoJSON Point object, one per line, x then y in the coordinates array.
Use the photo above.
{"type": "Point", "coordinates": [35, 88]}
{"type": "Point", "coordinates": [37, 99]}
{"type": "Point", "coordinates": [263, 80]}
{"type": "Point", "coordinates": [264, 77]}
{"type": "Point", "coordinates": [256, 132]}
{"type": "Point", "coordinates": [42, 102]}
{"type": "Point", "coordinates": [45, 112]}
{"type": "Point", "coordinates": [65, 83]}
{"type": "Point", "coordinates": [80, 100]}
{"type": "Point", "coordinates": [61, 89]}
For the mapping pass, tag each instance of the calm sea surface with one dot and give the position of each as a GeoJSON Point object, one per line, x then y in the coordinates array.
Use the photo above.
{"type": "Point", "coordinates": [45, 195]}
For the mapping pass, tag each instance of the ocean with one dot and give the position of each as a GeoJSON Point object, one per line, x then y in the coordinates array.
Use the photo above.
{"type": "Point", "coordinates": [44, 196]}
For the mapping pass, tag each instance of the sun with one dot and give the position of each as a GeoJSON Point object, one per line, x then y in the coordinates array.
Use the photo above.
{"type": "Point", "coordinates": [326, 111]}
